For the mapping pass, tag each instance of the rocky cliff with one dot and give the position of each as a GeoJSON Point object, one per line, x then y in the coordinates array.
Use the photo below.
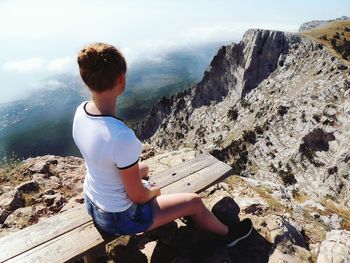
{"type": "Point", "coordinates": [275, 106]}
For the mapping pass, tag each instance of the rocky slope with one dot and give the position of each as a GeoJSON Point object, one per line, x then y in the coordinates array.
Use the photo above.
{"type": "Point", "coordinates": [275, 106]}
{"type": "Point", "coordinates": [316, 23]}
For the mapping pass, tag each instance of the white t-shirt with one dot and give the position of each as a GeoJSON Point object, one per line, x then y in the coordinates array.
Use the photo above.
{"type": "Point", "coordinates": [107, 145]}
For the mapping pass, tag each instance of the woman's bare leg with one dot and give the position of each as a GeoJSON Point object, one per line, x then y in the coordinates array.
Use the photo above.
{"type": "Point", "coordinates": [144, 169]}
{"type": "Point", "coordinates": [170, 207]}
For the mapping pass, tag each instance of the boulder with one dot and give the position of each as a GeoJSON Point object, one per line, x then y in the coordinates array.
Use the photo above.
{"type": "Point", "coordinates": [333, 221]}
{"type": "Point", "coordinates": [40, 167]}
{"type": "Point", "coordinates": [29, 186]}
{"type": "Point", "coordinates": [12, 200]}
{"type": "Point", "coordinates": [335, 248]}
{"type": "Point", "coordinates": [21, 218]}
{"type": "Point", "coordinates": [287, 242]}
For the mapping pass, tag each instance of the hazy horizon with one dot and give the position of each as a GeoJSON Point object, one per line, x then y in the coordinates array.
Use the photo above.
{"type": "Point", "coordinates": [40, 38]}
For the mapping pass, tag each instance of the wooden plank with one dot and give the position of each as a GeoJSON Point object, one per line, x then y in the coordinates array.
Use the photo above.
{"type": "Point", "coordinates": [64, 247]}
{"type": "Point", "coordinates": [82, 233]}
{"type": "Point", "coordinates": [199, 180]}
{"type": "Point", "coordinates": [177, 172]}
{"type": "Point", "coordinates": [42, 232]}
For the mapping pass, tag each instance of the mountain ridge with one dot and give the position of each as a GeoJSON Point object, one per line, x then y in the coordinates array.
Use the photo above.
{"type": "Point", "coordinates": [304, 97]}
{"type": "Point", "coordinates": [316, 23]}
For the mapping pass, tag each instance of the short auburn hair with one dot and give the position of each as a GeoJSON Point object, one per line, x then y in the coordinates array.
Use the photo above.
{"type": "Point", "coordinates": [100, 65]}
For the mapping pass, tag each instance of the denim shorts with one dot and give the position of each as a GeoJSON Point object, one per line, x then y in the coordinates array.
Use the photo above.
{"type": "Point", "coordinates": [136, 219]}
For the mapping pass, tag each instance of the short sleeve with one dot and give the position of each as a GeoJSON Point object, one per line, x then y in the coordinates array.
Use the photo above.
{"type": "Point", "coordinates": [127, 150]}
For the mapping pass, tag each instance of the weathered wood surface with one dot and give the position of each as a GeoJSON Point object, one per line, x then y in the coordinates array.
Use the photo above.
{"type": "Point", "coordinates": [71, 233]}
{"type": "Point", "coordinates": [199, 180]}
{"type": "Point", "coordinates": [176, 173]}
{"type": "Point", "coordinates": [44, 231]}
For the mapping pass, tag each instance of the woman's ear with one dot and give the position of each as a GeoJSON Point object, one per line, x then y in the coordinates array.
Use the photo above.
{"type": "Point", "coordinates": [121, 79]}
{"type": "Point", "coordinates": [121, 83]}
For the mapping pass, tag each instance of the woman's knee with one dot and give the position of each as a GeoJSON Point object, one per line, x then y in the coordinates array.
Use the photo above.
{"type": "Point", "coordinates": [195, 200]}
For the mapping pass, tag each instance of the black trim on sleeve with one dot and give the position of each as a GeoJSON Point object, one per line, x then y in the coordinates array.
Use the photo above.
{"type": "Point", "coordinates": [122, 168]}
{"type": "Point", "coordinates": [99, 115]}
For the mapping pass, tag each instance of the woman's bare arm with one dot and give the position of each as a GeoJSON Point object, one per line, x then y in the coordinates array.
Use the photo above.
{"type": "Point", "coordinates": [133, 185]}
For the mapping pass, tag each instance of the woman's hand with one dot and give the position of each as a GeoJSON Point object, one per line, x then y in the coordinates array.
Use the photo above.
{"type": "Point", "coordinates": [155, 191]}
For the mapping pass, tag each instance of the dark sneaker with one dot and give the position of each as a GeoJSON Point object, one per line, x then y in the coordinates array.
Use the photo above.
{"type": "Point", "coordinates": [238, 232]}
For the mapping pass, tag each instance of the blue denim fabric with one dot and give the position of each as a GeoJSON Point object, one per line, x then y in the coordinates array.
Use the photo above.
{"type": "Point", "coordinates": [136, 219]}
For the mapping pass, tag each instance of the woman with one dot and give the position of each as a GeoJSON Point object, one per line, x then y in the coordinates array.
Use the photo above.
{"type": "Point", "coordinates": [115, 195]}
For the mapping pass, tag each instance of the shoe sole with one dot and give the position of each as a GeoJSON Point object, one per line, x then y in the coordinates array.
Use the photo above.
{"type": "Point", "coordinates": [239, 239]}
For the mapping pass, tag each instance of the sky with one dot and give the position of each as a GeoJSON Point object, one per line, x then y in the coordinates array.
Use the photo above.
{"type": "Point", "coordinates": [39, 39]}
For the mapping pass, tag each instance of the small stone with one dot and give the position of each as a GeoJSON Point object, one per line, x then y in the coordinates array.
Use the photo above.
{"type": "Point", "coordinates": [223, 186]}
{"type": "Point", "coordinates": [315, 215]}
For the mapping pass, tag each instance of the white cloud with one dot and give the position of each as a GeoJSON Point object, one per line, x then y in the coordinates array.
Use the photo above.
{"type": "Point", "coordinates": [232, 31]}
{"type": "Point", "coordinates": [54, 83]}
{"type": "Point", "coordinates": [208, 33]}
{"type": "Point", "coordinates": [61, 64]}
{"type": "Point", "coordinates": [26, 65]}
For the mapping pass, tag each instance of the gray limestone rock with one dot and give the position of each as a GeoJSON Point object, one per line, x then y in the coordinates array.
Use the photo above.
{"type": "Point", "coordinates": [336, 247]}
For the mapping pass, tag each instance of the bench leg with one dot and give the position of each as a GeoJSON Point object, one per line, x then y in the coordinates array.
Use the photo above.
{"type": "Point", "coordinates": [92, 255]}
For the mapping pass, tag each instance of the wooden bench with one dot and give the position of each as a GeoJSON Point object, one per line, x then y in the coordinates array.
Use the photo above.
{"type": "Point", "coordinates": [71, 235]}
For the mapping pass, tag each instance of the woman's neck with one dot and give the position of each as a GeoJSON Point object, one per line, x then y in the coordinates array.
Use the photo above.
{"type": "Point", "coordinates": [105, 103]}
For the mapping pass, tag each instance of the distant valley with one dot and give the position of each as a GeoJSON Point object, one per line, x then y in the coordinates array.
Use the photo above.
{"type": "Point", "coordinates": [41, 123]}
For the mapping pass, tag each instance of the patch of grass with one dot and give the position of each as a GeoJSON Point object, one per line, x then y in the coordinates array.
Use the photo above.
{"type": "Point", "coordinates": [333, 208]}
{"type": "Point", "coordinates": [335, 36]}
{"type": "Point", "coordinates": [28, 199]}
{"type": "Point", "coordinates": [272, 202]}
{"type": "Point", "coordinates": [232, 114]}
{"type": "Point", "coordinates": [287, 177]}
{"type": "Point", "coordinates": [299, 197]}
{"type": "Point", "coordinates": [249, 136]}
{"type": "Point", "coordinates": [8, 169]}
{"type": "Point", "coordinates": [66, 191]}
{"type": "Point", "coordinates": [314, 229]}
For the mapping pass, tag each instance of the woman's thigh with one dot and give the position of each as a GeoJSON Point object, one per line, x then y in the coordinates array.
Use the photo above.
{"type": "Point", "coordinates": [167, 208]}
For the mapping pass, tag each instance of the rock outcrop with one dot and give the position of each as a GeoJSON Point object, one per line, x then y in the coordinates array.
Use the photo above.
{"type": "Point", "coordinates": [275, 106]}
{"type": "Point", "coordinates": [336, 247]}
{"type": "Point", "coordinates": [39, 187]}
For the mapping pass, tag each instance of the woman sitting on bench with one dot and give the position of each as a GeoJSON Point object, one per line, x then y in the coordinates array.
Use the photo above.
{"type": "Point", "coordinates": [115, 196]}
